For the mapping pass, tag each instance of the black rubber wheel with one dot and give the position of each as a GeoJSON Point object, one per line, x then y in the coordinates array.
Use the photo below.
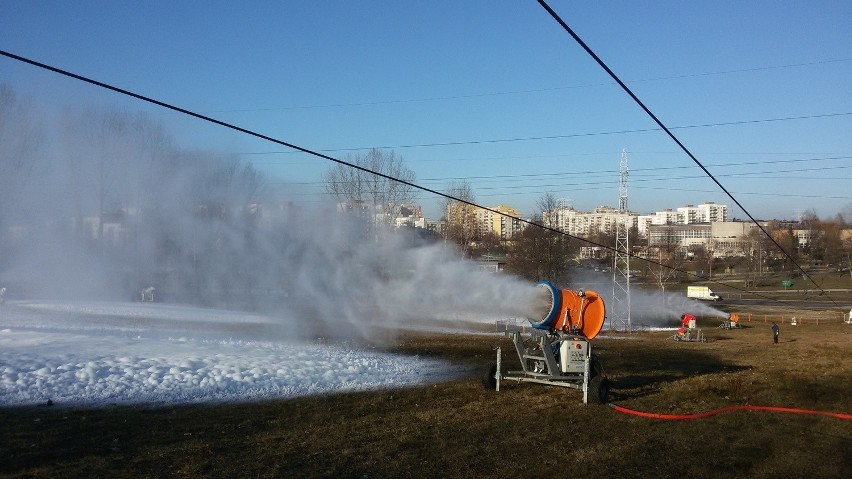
{"type": "Point", "coordinates": [489, 376]}
{"type": "Point", "coordinates": [598, 390]}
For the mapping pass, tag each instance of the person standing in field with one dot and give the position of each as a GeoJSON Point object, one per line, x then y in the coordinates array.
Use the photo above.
{"type": "Point", "coordinates": [775, 331]}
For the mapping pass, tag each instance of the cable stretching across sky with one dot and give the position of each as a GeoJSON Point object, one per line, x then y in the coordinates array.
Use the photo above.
{"type": "Point", "coordinates": [577, 135]}
{"type": "Point", "coordinates": [675, 139]}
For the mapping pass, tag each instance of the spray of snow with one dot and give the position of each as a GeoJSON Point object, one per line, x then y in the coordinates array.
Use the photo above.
{"type": "Point", "coordinates": [98, 207]}
{"type": "Point", "coordinates": [651, 308]}
{"type": "Point", "coordinates": [110, 205]}
{"type": "Point", "coordinates": [392, 284]}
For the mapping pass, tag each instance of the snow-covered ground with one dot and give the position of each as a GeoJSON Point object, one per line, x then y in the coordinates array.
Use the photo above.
{"type": "Point", "coordinates": [111, 353]}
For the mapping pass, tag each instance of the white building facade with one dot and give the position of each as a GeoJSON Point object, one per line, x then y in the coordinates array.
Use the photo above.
{"type": "Point", "coordinates": [576, 223]}
{"type": "Point", "coordinates": [707, 212]}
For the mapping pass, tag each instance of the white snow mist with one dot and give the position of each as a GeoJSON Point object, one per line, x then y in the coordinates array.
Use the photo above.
{"type": "Point", "coordinates": [103, 204]}
{"type": "Point", "coordinates": [648, 308]}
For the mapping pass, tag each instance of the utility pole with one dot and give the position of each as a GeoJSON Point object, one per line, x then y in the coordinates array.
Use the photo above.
{"type": "Point", "coordinates": [620, 311]}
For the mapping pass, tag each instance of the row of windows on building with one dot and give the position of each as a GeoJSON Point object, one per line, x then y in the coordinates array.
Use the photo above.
{"type": "Point", "coordinates": [605, 219]}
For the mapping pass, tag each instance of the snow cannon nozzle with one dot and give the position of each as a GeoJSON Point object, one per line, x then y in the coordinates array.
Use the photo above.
{"type": "Point", "coordinates": [579, 312]}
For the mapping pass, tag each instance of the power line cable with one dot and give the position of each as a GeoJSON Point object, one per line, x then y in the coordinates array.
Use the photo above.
{"type": "Point", "coordinates": [572, 135]}
{"type": "Point", "coordinates": [584, 188]}
{"type": "Point", "coordinates": [608, 174]}
{"type": "Point", "coordinates": [572, 155]}
{"type": "Point", "coordinates": [456, 159]}
{"type": "Point", "coordinates": [672, 136]}
{"type": "Point", "coordinates": [751, 193]}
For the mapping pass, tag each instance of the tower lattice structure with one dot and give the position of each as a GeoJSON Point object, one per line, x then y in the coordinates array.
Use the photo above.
{"type": "Point", "coordinates": [620, 310]}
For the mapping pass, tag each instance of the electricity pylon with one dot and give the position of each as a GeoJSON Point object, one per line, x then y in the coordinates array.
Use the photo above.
{"type": "Point", "coordinates": [620, 311]}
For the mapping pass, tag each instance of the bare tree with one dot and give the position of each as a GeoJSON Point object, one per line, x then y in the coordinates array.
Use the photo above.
{"type": "Point", "coordinates": [460, 216]}
{"type": "Point", "coordinates": [666, 246]}
{"type": "Point", "coordinates": [365, 192]}
{"type": "Point", "coordinates": [846, 214]}
{"type": "Point", "coordinates": [752, 249]}
{"type": "Point", "coordinates": [789, 243]}
{"type": "Point", "coordinates": [811, 223]}
{"type": "Point", "coordinates": [825, 239]}
{"type": "Point", "coordinates": [606, 238]}
{"type": "Point", "coordinates": [831, 242]}
{"type": "Point", "coordinates": [538, 253]}
{"type": "Point", "coordinates": [547, 204]}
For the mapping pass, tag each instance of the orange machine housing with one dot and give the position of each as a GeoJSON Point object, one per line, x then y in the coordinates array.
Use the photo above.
{"type": "Point", "coordinates": [569, 310]}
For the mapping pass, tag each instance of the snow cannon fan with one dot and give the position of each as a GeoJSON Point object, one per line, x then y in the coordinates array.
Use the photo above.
{"type": "Point", "coordinates": [578, 312]}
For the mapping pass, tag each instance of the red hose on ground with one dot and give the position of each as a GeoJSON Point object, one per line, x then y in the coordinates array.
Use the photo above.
{"type": "Point", "coordinates": [714, 412]}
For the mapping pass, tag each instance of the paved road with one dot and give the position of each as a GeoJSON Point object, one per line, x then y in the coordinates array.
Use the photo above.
{"type": "Point", "coordinates": [810, 302]}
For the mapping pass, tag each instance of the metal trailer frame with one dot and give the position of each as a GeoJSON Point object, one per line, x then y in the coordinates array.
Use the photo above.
{"type": "Point", "coordinates": [539, 365]}
{"type": "Point", "coordinates": [689, 338]}
{"type": "Point", "coordinates": [728, 324]}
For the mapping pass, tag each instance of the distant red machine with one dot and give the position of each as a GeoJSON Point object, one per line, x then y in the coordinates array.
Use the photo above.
{"type": "Point", "coordinates": [688, 330]}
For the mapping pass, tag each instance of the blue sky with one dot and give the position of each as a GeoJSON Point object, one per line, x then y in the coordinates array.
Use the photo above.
{"type": "Point", "coordinates": [492, 93]}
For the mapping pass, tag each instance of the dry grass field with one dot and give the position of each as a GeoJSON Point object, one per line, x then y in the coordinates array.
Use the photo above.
{"type": "Point", "coordinates": [459, 429]}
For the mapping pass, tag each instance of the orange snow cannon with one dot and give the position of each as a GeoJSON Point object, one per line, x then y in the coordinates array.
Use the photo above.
{"type": "Point", "coordinates": [557, 350]}
{"type": "Point", "coordinates": [568, 311]}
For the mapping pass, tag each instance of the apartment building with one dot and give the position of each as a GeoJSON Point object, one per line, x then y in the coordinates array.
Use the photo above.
{"type": "Point", "coordinates": [503, 226]}
{"type": "Point", "coordinates": [721, 239]}
{"type": "Point", "coordinates": [603, 219]}
{"type": "Point", "coordinates": [707, 212]}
